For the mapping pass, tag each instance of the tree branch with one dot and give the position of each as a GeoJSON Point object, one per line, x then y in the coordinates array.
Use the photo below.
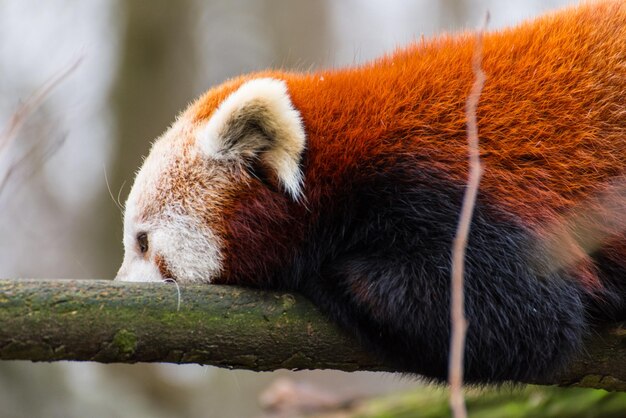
{"type": "Point", "coordinates": [225, 326]}
{"type": "Point", "coordinates": [107, 322]}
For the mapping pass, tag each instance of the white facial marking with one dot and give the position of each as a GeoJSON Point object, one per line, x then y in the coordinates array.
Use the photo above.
{"type": "Point", "coordinates": [178, 236]}
{"type": "Point", "coordinates": [191, 248]}
{"type": "Point", "coordinates": [136, 269]}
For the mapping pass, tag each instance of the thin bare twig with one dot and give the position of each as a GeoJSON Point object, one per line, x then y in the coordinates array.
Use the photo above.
{"type": "Point", "coordinates": [14, 168]}
{"type": "Point", "coordinates": [32, 103]}
{"type": "Point", "coordinates": [17, 120]}
{"type": "Point", "coordinates": [457, 303]}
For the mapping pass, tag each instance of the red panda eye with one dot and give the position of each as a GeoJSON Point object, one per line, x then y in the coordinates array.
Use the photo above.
{"type": "Point", "coordinates": [142, 240]}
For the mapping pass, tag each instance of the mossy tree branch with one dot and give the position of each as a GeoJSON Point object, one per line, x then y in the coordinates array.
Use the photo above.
{"type": "Point", "coordinates": [108, 322]}
{"type": "Point", "coordinates": [105, 321]}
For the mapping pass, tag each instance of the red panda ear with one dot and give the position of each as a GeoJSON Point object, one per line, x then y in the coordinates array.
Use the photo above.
{"type": "Point", "coordinates": [258, 122]}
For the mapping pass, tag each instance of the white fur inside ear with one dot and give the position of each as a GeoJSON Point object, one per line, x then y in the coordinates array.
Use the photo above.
{"type": "Point", "coordinates": [279, 140]}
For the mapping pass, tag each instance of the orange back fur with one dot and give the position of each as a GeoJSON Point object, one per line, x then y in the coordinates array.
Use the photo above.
{"type": "Point", "coordinates": [551, 117]}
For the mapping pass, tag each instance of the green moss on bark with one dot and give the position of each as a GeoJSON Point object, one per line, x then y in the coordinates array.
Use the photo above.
{"type": "Point", "coordinates": [48, 320]}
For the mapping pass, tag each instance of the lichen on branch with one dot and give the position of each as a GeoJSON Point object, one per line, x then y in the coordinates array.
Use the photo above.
{"type": "Point", "coordinates": [224, 326]}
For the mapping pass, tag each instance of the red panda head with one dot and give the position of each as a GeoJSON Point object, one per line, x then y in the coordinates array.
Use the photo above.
{"type": "Point", "coordinates": [174, 221]}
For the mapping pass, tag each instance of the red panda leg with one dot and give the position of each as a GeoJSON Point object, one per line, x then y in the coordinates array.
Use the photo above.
{"type": "Point", "coordinates": [399, 308]}
{"type": "Point", "coordinates": [379, 265]}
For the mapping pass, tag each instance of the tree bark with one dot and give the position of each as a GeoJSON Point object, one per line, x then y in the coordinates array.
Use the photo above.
{"type": "Point", "coordinates": [225, 326]}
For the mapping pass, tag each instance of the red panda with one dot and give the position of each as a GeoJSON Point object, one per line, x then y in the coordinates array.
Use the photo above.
{"type": "Point", "coordinates": [346, 185]}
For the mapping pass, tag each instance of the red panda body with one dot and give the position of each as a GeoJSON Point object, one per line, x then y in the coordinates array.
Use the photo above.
{"type": "Point", "coordinates": [384, 170]}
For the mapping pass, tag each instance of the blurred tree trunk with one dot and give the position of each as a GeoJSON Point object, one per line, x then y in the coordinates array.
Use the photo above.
{"type": "Point", "coordinates": [155, 79]}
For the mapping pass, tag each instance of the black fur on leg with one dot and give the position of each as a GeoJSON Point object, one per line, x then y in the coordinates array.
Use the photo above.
{"type": "Point", "coordinates": [379, 265]}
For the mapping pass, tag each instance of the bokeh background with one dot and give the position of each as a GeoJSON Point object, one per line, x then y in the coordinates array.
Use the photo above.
{"type": "Point", "coordinates": [141, 63]}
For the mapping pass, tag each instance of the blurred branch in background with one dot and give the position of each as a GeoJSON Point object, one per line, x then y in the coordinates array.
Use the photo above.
{"type": "Point", "coordinates": [430, 402]}
{"type": "Point", "coordinates": [16, 122]}
{"type": "Point", "coordinates": [104, 321]}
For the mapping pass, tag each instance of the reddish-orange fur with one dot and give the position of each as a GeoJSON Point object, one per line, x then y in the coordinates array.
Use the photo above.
{"type": "Point", "coordinates": [551, 117]}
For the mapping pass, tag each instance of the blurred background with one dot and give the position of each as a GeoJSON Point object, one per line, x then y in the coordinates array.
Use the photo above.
{"type": "Point", "coordinates": [142, 62]}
